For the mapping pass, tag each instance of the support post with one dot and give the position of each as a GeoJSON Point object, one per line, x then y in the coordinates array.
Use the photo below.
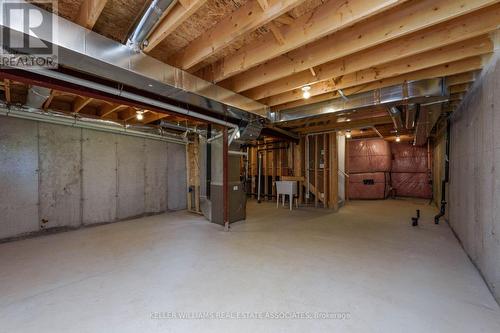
{"type": "Point", "coordinates": [225, 178]}
{"type": "Point", "coordinates": [259, 176]}
{"type": "Point", "coordinates": [316, 167]}
{"type": "Point", "coordinates": [334, 172]}
{"type": "Point", "coordinates": [326, 167]}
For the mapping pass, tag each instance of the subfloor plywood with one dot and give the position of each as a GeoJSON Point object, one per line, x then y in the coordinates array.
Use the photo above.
{"type": "Point", "coordinates": [366, 260]}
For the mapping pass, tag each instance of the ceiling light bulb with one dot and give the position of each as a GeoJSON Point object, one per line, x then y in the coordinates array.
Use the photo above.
{"type": "Point", "coordinates": [305, 92]}
{"type": "Point", "coordinates": [139, 115]}
{"type": "Point", "coordinates": [398, 138]}
{"type": "Point", "coordinates": [348, 134]}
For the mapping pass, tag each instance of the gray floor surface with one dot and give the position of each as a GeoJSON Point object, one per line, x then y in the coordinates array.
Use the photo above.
{"type": "Point", "coordinates": [364, 268]}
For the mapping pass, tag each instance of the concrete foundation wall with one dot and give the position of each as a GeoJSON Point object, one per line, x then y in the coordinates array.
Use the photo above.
{"type": "Point", "coordinates": [177, 181]}
{"type": "Point", "coordinates": [474, 189]}
{"type": "Point", "coordinates": [59, 176]}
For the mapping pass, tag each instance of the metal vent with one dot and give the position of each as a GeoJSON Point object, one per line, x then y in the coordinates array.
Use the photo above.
{"type": "Point", "coordinates": [251, 131]}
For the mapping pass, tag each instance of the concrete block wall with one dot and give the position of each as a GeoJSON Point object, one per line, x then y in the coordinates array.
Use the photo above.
{"type": "Point", "coordinates": [54, 176]}
{"type": "Point", "coordinates": [474, 188]}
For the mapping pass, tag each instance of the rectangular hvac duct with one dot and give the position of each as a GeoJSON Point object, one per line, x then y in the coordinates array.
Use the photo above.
{"type": "Point", "coordinates": [424, 91]}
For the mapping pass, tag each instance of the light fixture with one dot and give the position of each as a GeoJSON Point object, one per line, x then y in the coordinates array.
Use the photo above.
{"type": "Point", "coordinates": [139, 115]}
{"type": "Point", "coordinates": [305, 92]}
{"type": "Point", "coordinates": [237, 135]}
{"type": "Point", "coordinates": [398, 138]}
{"type": "Point", "coordinates": [348, 134]}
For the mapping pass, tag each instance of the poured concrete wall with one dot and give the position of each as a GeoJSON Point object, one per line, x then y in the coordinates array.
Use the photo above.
{"type": "Point", "coordinates": [475, 175]}
{"type": "Point", "coordinates": [177, 186]}
{"type": "Point", "coordinates": [59, 176]}
{"type": "Point", "coordinates": [18, 177]}
{"type": "Point", "coordinates": [99, 163]}
{"type": "Point", "coordinates": [59, 156]}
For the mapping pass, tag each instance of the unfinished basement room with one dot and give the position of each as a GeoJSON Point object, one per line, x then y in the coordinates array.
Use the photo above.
{"type": "Point", "coordinates": [250, 166]}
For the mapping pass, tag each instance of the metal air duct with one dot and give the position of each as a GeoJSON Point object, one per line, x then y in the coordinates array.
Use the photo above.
{"type": "Point", "coordinates": [87, 52]}
{"type": "Point", "coordinates": [424, 91]}
{"type": "Point", "coordinates": [37, 96]}
{"type": "Point", "coordinates": [151, 17]}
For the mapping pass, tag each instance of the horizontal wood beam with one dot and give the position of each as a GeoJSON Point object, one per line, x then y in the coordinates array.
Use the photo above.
{"type": "Point", "coordinates": [325, 19]}
{"type": "Point", "coordinates": [452, 68]}
{"type": "Point", "coordinates": [459, 88]}
{"type": "Point", "coordinates": [89, 13]}
{"type": "Point", "coordinates": [456, 30]}
{"type": "Point", "coordinates": [398, 22]}
{"type": "Point", "coordinates": [242, 21]}
{"type": "Point", "coordinates": [467, 77]}
{"type": "Point", "coordinates": [473, 47]}
{"type": "Point", "coordinates": [174, 18]}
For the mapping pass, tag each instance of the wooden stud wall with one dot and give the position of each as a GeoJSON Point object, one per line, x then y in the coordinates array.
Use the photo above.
{"type": "Point", "coordinates": [286, 160]}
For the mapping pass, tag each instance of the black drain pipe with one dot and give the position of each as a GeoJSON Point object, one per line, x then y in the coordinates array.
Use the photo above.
{"type": "Point", "coordinates": [446, 173]}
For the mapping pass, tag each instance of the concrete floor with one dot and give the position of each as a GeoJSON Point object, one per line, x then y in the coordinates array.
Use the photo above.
{"type": "Point", "coordinates": [365, 260]}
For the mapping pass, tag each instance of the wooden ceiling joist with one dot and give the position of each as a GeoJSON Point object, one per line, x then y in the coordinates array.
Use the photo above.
{"type": "Point", "coordinates": [332, 16]}
{"type": "Point", "coordinates": [264, 4]}
{"type": "Point", "coordinates": [457, 67]}
{"type": "Point", "coordinates": [80, 103]}
{"type": "Point", "coordinates": [459, 88]}
{"type": "Point", "coordinates": [461, 78]}
{"type": "Point", "coordinates": [49, 99]}
{"type": "Point", "coordinates": [152, 117]}
{"type": "Point", "coordinates": [244, 20]}
{"type": "Point", "coordinates": [459, 29]}
{"type": "Point", "coordinates": [6, 86]}
{"type": "Point", "coordinates": [108, 109]}
{"type": "Point", "coordinates": [127, 114]}
{"type": "Point", "coordinates": [90, 10]}
{"type": "Point", "coordinates": [174, 18]}
{"type": "Point", "coordinates": [476, 46]}
{"type": "Point", "coordinates": [398, 22]}
{"type": "Point", "coordinates": [278, 36]}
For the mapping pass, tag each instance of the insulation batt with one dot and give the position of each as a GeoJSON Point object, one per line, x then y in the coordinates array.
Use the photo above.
{"type": "Point", "coordinates": [372, 155]}
{"type": "Point", "coordinates": [408, 158]}
{"type": "Point", "coordinates": [412, 184]}
{"type": "Point", "coordinates": [371, 185]}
